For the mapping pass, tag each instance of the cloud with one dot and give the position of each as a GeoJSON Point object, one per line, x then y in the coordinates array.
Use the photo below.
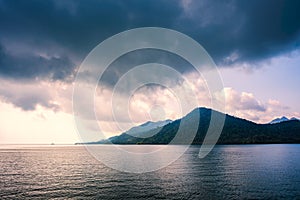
{"type": "Point", "coordinates": [43, 42]}
{"type": "Point", "coordinates": [127, 62]}
{"type": "Point", "coordinates": [30, 66]}
{"type": "Point", "coordinates": [251, 31]}
{"type": "Point", "coordinates": [56, 36]}
{"type": "Point", "coordinates": [71, 29]}
{"type": "Point", "coordinates": [54, 96]}
{"type": "Point", "coordinates": [247, 106]}
{"type": "Point", "coordinates": [242, 101]}
{"type": "Point", "coordinates": [275, 103]}
{"type": "Point", "coordinates": [146, 103]}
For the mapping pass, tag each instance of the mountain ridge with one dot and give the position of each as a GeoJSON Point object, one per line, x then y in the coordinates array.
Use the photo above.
{"type": "Point", "coordinates": [138, 131]}
{"type": "Point", "coordinates": [282, 119]}
{"type": "Point", "coordinates": [235, 131]}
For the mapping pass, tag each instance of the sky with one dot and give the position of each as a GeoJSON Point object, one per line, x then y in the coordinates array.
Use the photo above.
{"type": "Point", "coordinates": [255, 45]}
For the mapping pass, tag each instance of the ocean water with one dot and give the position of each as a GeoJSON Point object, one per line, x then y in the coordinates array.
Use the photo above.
{"type": "Point", "coordinates": [228, 172]}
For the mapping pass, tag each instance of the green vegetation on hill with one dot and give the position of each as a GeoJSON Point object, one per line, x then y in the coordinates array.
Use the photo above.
{"type": "Point", "coordinates": [235, 131]}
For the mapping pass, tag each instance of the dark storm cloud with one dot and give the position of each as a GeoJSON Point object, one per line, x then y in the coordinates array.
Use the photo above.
{"type": "Point", "coordinates": [253, 30]}
{"type": "Point", "coordinates": [65, 31]}
{"type": "Point", "coordinates": [73, 28]}
{"type": "Point", "coordinates": [127, 62]}
{"type": "Point", "coordinates": [31, 66]}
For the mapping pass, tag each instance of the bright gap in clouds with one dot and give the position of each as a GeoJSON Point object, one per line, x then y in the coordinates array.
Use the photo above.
{"type": "Point", "coordinates": [147, 103]}
{"type": "Point", "coordinates": [270, 85]}
{"type": "Point", "coordinates": [40, 126]}
{"type": "Point", "coordinates": [43, 125]}
{"type": "Point", "coordinates": [42, 113]}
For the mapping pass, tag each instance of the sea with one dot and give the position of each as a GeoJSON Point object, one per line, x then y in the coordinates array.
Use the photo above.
{"type": "Point", "coordinates": [227, 172]}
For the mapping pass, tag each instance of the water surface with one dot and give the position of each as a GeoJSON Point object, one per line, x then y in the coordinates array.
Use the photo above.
{"type": "Point", "coordinates": [228, 172]}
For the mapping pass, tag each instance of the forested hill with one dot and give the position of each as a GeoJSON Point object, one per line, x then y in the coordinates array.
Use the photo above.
{"type": "Point", "coordinates": [235, 131]}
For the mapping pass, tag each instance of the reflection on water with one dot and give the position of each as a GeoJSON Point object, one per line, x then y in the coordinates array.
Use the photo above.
{"type": "Point", "coordinates": [233, 171]}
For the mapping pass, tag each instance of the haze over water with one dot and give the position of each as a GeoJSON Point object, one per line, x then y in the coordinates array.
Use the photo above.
{"type": "Point", "coordinates": [229, 171]}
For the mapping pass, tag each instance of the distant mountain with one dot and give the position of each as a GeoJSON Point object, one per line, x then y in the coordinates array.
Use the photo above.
{"type": "Point", "coordinates": [294, 118]}
{"type": "Point", "coordinates": [146, 127]}
{"type": "Point", "coordinates": [142, 131]}
{"type": "Point", "coordinates": [235, 131]}
{"type": "Point", "coordinates": [282, 119]}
